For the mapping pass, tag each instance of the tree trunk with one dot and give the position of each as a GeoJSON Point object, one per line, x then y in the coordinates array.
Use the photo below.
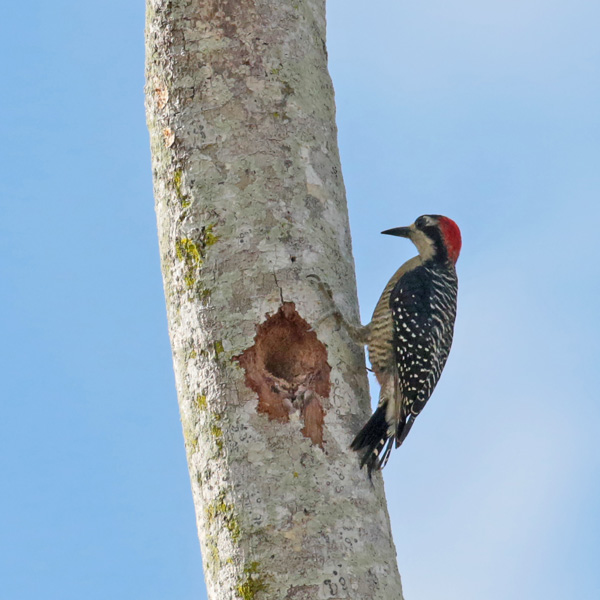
{"type": "Point", "coordinates": [250, 202]}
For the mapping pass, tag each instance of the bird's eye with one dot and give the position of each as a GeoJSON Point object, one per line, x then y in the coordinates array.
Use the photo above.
{"type": "Point", "coordinates": [420, 223]}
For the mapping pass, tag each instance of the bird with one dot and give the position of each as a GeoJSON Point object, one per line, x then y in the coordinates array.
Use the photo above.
{"type": "Point", "coordinates": [410, 335]}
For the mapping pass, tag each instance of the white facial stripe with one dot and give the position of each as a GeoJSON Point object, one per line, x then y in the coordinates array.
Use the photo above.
{"type": "Point", "coordinates": [424, 245]}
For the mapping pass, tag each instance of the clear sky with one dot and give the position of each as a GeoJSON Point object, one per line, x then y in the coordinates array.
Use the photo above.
{"type": "Point", "coordinates": [488, 112]}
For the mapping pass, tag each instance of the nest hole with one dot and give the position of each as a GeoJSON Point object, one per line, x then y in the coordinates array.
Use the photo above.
{"type": "Point", "coordinates": [288, 364]}
{"type": "Point", "coordinates": [289, 351]}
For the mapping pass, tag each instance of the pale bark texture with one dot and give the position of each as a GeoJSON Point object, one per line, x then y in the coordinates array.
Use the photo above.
{"type": "Point", "coordinates": [250, 202]}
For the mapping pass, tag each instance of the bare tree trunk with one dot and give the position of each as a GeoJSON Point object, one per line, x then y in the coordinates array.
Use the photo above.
{"type": "Point", "coordinates": [250, 202]}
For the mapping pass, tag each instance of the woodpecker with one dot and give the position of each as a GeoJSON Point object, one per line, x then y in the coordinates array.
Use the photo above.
{"type": "Point", "coordinates": [410, 335]}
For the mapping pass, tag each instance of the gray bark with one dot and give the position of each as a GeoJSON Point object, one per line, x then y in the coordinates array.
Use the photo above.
{"type": "Point", "coordinates": [250, 202]}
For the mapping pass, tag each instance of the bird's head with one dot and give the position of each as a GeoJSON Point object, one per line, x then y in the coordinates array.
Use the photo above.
{"type": "Point", "coordinates": [435, 237]}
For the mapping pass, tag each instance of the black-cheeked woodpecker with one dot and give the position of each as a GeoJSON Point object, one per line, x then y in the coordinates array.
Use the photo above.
{"type": "Point", "coordinates": [410, 335]}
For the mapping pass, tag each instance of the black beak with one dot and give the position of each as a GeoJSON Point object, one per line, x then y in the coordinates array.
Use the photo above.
{"type": "Point", "coordinates": [399, 231]}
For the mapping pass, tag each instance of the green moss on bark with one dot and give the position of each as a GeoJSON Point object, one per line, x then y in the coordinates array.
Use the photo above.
{"type": "Point", "coordinates": [221, 513]}
{"type": "Point", "coordinates": [192, 253]}
{"type": "Point", "coordinates": [252, 582]}
{"type": "Point", "coordinates": [183, 198]}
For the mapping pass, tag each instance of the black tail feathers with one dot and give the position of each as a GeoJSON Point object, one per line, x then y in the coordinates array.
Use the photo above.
{"type": "Point", "coordinates": [374, 436]}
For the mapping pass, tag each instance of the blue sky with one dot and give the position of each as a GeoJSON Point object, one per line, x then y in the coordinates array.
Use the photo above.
{"type": "Point", "coordinates": [486, 112]}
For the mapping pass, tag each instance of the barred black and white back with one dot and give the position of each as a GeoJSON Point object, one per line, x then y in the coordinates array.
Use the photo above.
{"type": "Point", "coordinates": [424, 310]}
